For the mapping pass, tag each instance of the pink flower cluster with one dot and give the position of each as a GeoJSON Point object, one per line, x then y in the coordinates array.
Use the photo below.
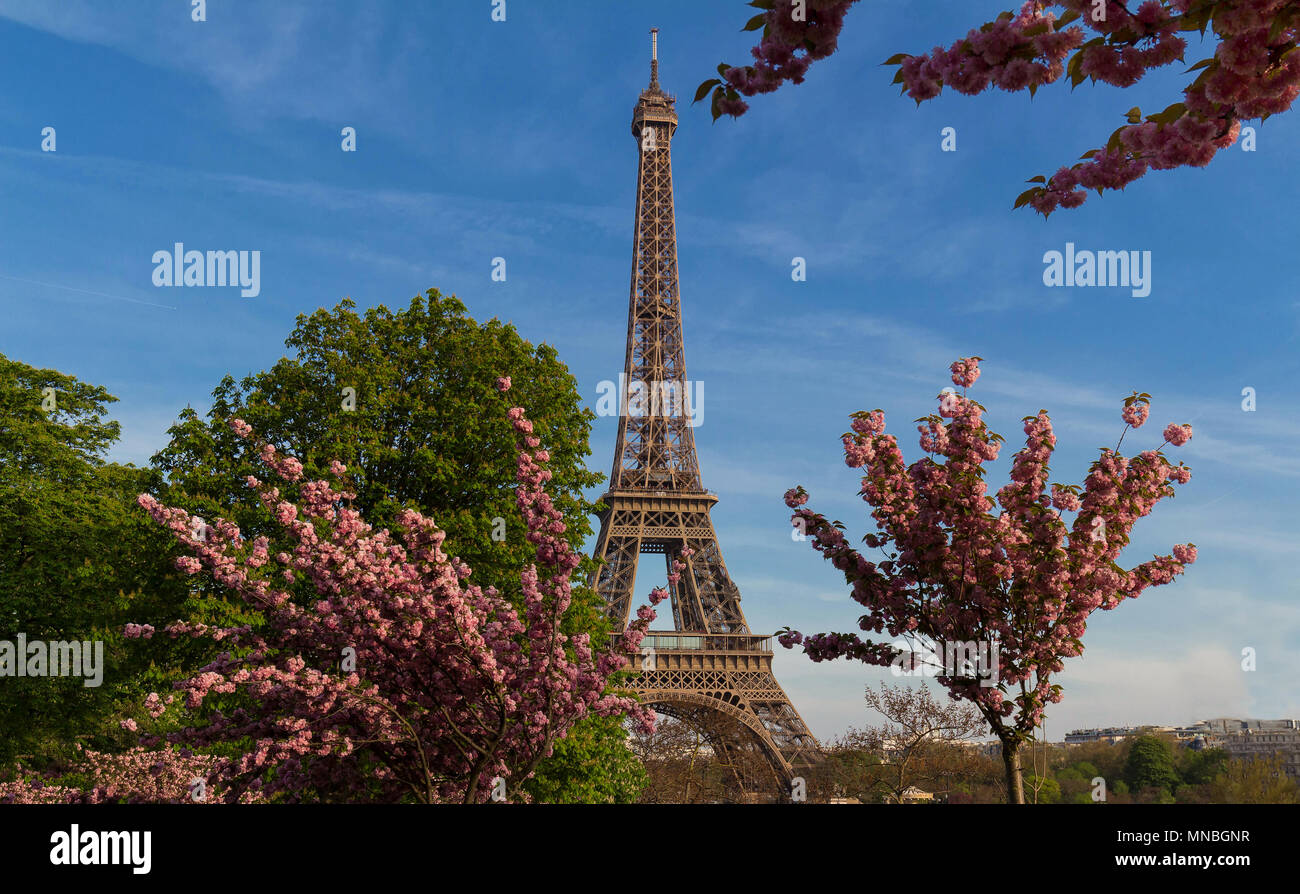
{"type": "Point", "coordinates": [1178, 435]}
{"type": "Point", "coordinates": [1065, 499]}
{"type": "Point", "coordinates": [1136, 414]}
{"type": "Point", "coordinates": [790, 44]}
{"type": "Point", "coordinates": [156, 705]}
{"type": "Point", "coordinates": [872, 423]}
{"type": "Point", "coordinates": [1014, 52]}
{"type": "Point", "coordinates": [679, 566]}
{"type": "Point", "coordinates": [955, 571]}
{"type": "Point", "coordinates": [965, 371]}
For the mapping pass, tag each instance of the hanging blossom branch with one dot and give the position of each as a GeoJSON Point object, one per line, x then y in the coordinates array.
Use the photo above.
{"type": "Point", "coordinates": [403, 680]}
{"type": "Point", "coordinates": [954, 572]}
{"type": "Point", "coordinates": [1254, 73]}
{"type": "Point", "coordinates": [795, 34]}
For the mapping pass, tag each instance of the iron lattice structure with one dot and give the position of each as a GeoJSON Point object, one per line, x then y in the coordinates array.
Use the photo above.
{"type": "Point", "coordinates": [710, 663]}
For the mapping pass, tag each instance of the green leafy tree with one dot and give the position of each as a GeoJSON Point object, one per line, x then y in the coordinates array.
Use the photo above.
{"type": "Point", "coordinates": [407, 400]}
{"type": "Point", "coordinates": [1075, 788]}
{"type": "Point", "coordinates": [403, 399]}
{"type": "Point", "coordinates": [1203, 766]}
{"type": "Point", "coordinates": [1259, 781]}
{"type": "Point", "coordinates": [593, 764]}
{"type": "Point", "coordinates": [1085, 769]}
{"type": "Point", "coordinates": [1151, 765]}
{"type": "Point", "coordinates": [1104, 759]}
{"type": "Point", "coordinates": [77, 560]}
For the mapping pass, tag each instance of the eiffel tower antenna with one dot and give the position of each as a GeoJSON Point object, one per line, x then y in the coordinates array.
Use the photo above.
{"type": "Point", "coordinates": [654, 57]}
{"type": "Point", "coordinates": [710, 663]}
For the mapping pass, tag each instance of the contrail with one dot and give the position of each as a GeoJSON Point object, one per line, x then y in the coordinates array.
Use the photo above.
{"type": "Point", "coordinates": [85, 291]}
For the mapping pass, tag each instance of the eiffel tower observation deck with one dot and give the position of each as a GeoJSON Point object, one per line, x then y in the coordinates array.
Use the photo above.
{"type": "Point", "coordinates": [710, 666]}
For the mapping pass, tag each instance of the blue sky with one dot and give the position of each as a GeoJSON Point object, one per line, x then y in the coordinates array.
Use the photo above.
{"type": "Point", "coordinates": [479, 139]}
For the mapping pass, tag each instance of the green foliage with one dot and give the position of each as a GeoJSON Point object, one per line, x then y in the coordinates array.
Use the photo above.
{"type": "Point", "coordinates": [1200, 767]}
{"type": "Point", "coordinates": [1048, 790]}
{"type": "Point", "coordinates": [1086, 770]}
{"type": "Point", "coordinates": [1259, 781]}
{"type": "Point", "coordinates": [77, 560]}
{"type": "Point", "coordinates": [592, 765]}
{"type": "Point", "coordinates": [1101, 759]}
{"type": "Point", "coordinates": [1151, 765]}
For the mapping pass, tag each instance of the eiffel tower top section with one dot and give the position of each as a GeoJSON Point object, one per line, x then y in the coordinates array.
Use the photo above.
{"type": "Point", "coordinates": [656, 444]}
{"type": "Point", "coordinates": [655, 106]}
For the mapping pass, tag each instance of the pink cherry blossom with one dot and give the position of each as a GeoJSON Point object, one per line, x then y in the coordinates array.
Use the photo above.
{"type": "Point", "coordinates": [965, 371]}
{"type": "Point", "coordinates": [1178, 435]}
{"type": "Point", "coordinates": [1136, 414]}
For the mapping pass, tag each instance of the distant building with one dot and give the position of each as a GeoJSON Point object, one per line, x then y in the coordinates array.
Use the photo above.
{"type": "Point", "coordinates": [1225, 726]}
{"type": "Point", "coordinates": [1250, 739]}
{"type": "Point", "coordinates": [1110, 734]}
{"type": "Point", "coordinates": [1113, 734]}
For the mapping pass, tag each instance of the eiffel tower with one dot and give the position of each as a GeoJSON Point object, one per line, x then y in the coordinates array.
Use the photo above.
{"type": "Point", "coordinates": [710, 664]}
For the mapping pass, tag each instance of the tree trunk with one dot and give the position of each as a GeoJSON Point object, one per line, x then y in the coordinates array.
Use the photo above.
{"type": "Point", "coordinates": [1011, 761]}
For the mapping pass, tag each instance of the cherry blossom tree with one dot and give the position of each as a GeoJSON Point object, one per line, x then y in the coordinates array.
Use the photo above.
{"type": "Point", "coordinates": [1024, 580]}
{"type": "Point", "coordinates": [1253, 73]}
{"type": "Point", "coordinates": [403, 680]}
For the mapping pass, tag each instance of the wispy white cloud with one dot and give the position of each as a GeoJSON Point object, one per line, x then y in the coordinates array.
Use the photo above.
{"type": "Point", "coordinates": [263, 58]}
